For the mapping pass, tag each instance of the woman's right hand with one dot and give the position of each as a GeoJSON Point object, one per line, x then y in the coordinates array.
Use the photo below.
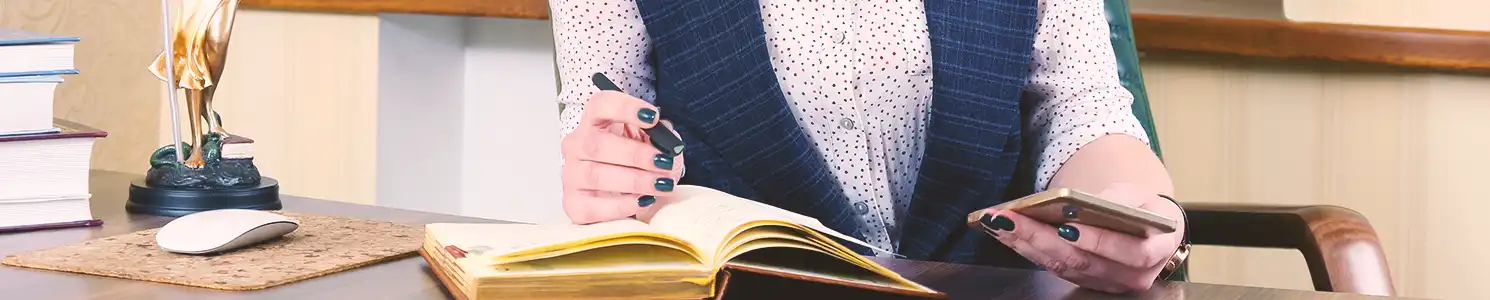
{"type": "Point", "coordinates": [611, 171]}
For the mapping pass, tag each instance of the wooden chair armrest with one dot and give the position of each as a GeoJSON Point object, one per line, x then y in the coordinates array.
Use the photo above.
{"type": "Point", "coordinates": [1339, 245]}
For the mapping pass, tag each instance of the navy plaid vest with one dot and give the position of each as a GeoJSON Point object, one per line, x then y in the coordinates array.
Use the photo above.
{"type": "Point", "coordinates": [714, 81]}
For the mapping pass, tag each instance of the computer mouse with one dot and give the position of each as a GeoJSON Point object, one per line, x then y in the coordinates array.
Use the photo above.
{"type": "Point", "coordinates": [222, 230]}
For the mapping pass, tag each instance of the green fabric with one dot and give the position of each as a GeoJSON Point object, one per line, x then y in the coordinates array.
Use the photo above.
{"type": "Point", "coordinates": [1121, 28]}
{"type": "Point", "coordinates": [1120, 24]}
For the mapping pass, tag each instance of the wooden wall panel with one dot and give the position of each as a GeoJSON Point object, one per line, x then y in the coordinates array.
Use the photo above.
{"type": "Point", "coordinates": [1397, 147]}
{"type": "Point", "coordinates": [1449, 199]}
{"type": "Point", "coordinates": [304, 87]}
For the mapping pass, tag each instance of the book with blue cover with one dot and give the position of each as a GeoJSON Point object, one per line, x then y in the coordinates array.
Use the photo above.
{"type": "Point", "coordinates": [29, 53]}
{"type": "Point", "coordinates": [11, 36]}
{"type": "Point", "coordinates": [39, 73]}
{"type": "Point", "coordinates": [31, 79]}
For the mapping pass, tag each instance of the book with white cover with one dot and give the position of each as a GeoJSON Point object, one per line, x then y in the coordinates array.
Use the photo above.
{"type": "Point", "coordinates": [26, 104]}
{"type": "Point", "coordinates": [27, 53]}
{"type": "Point", "coordinates": [44, 177]}
{"type": "Point", "coordinates": [20, 213]}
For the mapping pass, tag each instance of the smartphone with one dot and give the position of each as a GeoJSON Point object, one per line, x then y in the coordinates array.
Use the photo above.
{"type": "Point", "coordinates": [1059, 206]}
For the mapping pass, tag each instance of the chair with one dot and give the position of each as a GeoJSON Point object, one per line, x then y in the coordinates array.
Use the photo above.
{"type": "Point", "coordinates": [1338, 244]}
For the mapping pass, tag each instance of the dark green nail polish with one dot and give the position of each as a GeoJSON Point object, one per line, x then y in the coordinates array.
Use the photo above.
{"type": "Point", "coordinates": [646, 201]}
{"type": "Point", "coordinates": [999, 223]}
{"type": "Point", "coordinates": [663, 162]}
{"type": "Point", "coordinates": [647, 115]}
{"type": "Point", "coordinates": [1067, 232]}
{"type": "Point", "coordinates": [663, 184]}
{"type": "Point", "coordinates": [986, 220]}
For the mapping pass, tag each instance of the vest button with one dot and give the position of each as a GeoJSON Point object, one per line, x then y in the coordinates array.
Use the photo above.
{"type": "Point", "coordinates": [846, 123]}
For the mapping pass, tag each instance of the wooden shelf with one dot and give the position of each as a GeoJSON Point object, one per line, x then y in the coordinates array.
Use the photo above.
{"type": "Point", "coordinates": [1452, 50]}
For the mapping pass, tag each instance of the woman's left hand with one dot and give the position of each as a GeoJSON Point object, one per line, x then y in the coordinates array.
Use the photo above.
{"type": "Point", "coordinates": [1091, 257]}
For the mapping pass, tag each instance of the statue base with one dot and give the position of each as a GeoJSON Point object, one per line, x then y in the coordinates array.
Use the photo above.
{"type": "Point", "coordinates": [175, 202]}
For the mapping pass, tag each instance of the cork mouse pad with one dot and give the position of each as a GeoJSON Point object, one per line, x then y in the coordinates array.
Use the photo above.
{"type": "Point", "coordinates": [322, 245]}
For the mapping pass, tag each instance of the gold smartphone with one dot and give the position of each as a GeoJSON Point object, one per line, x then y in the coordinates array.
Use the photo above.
{"type": "Point", "coordinates": [1058, 206]}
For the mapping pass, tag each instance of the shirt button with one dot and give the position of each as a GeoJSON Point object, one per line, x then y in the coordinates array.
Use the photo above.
{"type": "Point", "coordinates": [846, 123]}
{"type": "Point", "coordinates": [861, 208]}
{"type": "Point", "coordinates": [842, 37]}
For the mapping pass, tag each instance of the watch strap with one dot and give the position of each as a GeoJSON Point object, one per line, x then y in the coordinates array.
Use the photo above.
{"type": "Point", "coordinates": [1182, 253]}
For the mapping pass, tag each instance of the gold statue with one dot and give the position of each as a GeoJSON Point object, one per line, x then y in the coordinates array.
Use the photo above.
{"type": "Point", "coordinates": [200, 50]}
{"type": "Point", "coordinates": [219, 172]}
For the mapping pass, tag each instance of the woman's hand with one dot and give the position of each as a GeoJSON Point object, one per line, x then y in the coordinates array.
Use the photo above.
{"type": "Point", "coordinates": [1091, 257]}
{"type": "Point", "coordinates": [611, 171]}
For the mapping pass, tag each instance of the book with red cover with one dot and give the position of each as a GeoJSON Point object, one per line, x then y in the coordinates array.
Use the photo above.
{"type": "Point", "coordinates": [61, 225]}
{"type": "Point", "coordinates": [68, 129]}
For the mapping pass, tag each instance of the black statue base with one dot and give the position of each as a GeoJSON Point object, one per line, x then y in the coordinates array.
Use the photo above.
{"type": "Point", "coordinates": [175, 202]}
{"type": "Point", "coordinates": [171, 188]}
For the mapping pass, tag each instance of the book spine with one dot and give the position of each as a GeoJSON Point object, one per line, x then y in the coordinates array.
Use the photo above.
{"type": "Point", "coordinates": [74, 224]}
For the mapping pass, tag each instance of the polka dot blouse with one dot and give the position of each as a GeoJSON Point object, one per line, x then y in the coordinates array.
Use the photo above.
{"type": "Point", "coordinates": [858, 76]}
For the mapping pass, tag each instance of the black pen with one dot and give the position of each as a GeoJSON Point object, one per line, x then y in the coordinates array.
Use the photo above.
{"type": "Point", "coordinates": [661, 137]}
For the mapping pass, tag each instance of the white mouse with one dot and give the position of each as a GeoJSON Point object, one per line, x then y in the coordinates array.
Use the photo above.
{"type": "Point", "coordinates": [222, 230]}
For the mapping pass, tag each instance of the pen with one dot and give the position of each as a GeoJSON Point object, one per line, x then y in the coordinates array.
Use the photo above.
{"type": "Point", "coordinates": [661, 137]}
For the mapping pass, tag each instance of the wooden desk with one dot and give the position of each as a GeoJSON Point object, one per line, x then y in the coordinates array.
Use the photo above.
{"type": "Point", "coordinates": [410, 278]}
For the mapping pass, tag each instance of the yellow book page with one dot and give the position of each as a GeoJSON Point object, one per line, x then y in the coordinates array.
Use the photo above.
{"type": "Point", "coordinates": [864, 275]}
{"type": "Point", "coordinates": [772, 242]}
{"type": "Point", "coordinates": [865, 278]}
{"type": "Point", "coordinates": [511, 243]}
{"type": "Point", "coordinates": [781, 235]}
{"type": "Point", "coordinates": [776, 230]}
{"type": "Point", "coordinates": [627, 261]}
{"type": "Point", "coordinates": [795, 233]}
{"type": "Point", "coordinates": [709, 218]}
{"type": "Point", "coordinates": [631, 271]}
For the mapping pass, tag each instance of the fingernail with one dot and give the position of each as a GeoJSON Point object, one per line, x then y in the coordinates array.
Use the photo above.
{"type": "Point", "coordinates": [647, 115]}
{"type": "Point", "coordinates": [1067, 232]}
{"type": "Point", "coordinates": [999, 223]}
{"type": "Point", "coordinates": [663, 184]}
{"type": "Point", "coordinates": [646, 201]}
{"type": "Point", "coordinates": [1069, 211]}
{"type": "Point", "coordinates": [665, 140]}
{"type": "Point", "coordinates": [663, 162]}
{"type": "Point", "coordinates": [987, 221]}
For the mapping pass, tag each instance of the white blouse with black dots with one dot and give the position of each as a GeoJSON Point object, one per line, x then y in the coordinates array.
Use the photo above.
{"type": "Point", "coordinates": [857, 74]}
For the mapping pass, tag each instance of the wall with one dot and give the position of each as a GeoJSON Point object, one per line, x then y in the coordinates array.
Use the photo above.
{"type": "Point", "coordinates": [430, 113]}
{"type": "Point", "coordinates": [299, 83]}
{"type": "Point", "coordinates": [397, 110]}
{"type": "Point", "coordinates": [1399, 146]}
{"type": "Point", "coordinates": [304, 87]}
{"type": "Point", "coordinates": [512, 141]}
{"type": "Point", "coordinates": [115, 92]}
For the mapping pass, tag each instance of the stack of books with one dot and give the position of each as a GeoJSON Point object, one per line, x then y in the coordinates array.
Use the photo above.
{"type": "Point", "coordinates": [44, 161]}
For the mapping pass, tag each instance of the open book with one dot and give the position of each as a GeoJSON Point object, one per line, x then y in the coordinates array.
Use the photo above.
{"type": "Point", "coordinates": [687, 250]}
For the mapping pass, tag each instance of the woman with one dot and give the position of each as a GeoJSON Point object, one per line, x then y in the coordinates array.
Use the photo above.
{"type": "Point", "coordinates": [888, 120]}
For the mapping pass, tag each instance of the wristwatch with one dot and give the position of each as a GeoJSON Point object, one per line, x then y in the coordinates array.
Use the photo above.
{"type": "Point", "coordinates": [1178, 258]}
